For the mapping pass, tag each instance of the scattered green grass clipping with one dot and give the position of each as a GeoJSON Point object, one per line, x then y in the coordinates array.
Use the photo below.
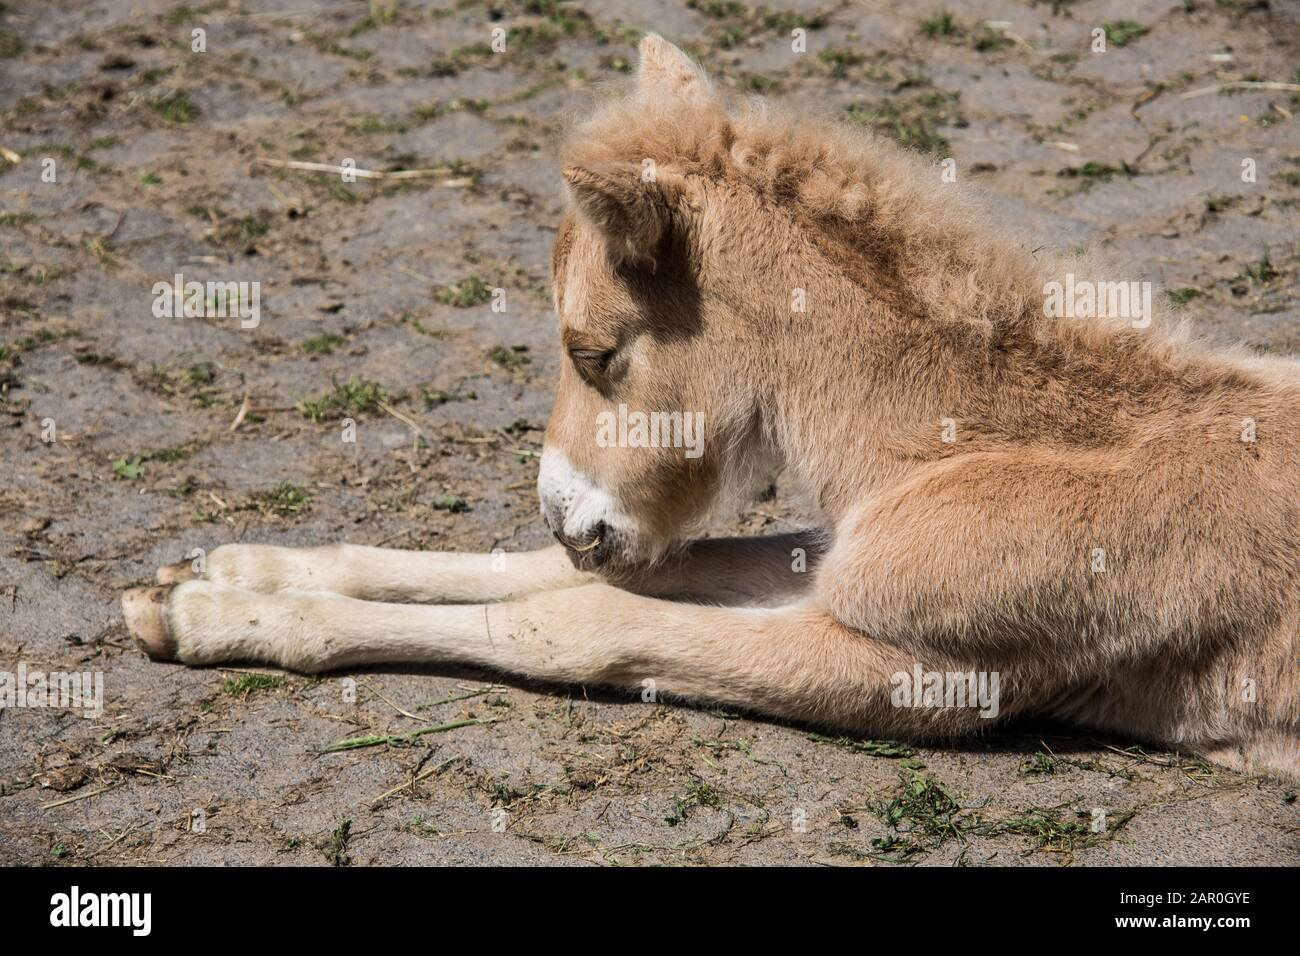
{"type": "Point", "coordinates": [912, 122]}
{"type": "Point", "coordinates": [942, 24]}
{"type": "Point", "coordinates": [1039, 763]}
{"type": "Point", "coordinates": [511, 358]}
{"type": "Point", "coordinates": [1262, 271]}
{"type": "Point", "coordinates": [246, 684]}
{"type": "Point", "coordinates": [698, 794]}
{"type": "Point", "coordinates": [924, 806]}
{"type": "Point", "coordinates": [129, 468]}
{"type": "Point", "coordinates": [336, 848]}
{"type": "Point", "coordinates": [284, 500]}
{"type": "Point", "coordinates": [176, 108]}
{"type": "Point", "coordinates": [1122, 31]}
{"type": "Point", "coordinates": [322, 344]}
{"type": "Point", "coordinates": [353, 397]}
{"type": "Point", "coordinates": [433, 397]}
{"type": "Point", "coordinates": [839, 61]}
{"type": "Point", "coordinates": [1049, 831]}
{"type": "Point", "coordinates": [1091, 170]}
{"type": "Point", "coordinates": [877, 748]}
{"type": "Point", "coordinates": [377, 17]}
{"type": "Point", "coordinates": [465, 293]}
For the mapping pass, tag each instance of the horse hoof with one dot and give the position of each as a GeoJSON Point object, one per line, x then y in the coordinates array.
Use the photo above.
{"type": "Point", "coordinates": [145, 610]}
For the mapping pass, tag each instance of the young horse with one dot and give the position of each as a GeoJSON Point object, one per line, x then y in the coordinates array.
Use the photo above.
{"type": "Point", "coordinates": [1091, 518]}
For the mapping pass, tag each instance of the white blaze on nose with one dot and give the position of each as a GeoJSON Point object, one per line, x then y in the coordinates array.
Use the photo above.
{"type": "Point", "coordinates": [572, 503]}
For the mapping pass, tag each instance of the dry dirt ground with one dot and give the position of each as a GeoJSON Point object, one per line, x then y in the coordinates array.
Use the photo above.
{"type": "Point", "coordinates": [375, 306]}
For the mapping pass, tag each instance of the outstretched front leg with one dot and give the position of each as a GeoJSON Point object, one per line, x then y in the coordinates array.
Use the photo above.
{"type": "Point", "coordinates": [762, 570]}
{"type": "Point", "coordinates": [793, 662]}
{"type": "Point", "coordinates": [383, 574]}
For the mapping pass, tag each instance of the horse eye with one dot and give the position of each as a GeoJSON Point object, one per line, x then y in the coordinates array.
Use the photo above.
{"type": "Point", "coordinates": [595, 359]}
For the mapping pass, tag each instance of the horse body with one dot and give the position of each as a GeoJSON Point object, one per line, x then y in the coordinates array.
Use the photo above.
{"type": "Point", "coordinates": [1023, 510]}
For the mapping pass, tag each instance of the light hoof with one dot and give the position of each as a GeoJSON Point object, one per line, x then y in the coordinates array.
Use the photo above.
{"type": "Point", "coordinates": [145, 610]}
{"type": "Point", "coordinates": [176, 573]}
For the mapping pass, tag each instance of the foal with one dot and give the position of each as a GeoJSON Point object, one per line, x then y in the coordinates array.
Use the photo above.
{"type": "Point", "coordinates": [1090, 518]}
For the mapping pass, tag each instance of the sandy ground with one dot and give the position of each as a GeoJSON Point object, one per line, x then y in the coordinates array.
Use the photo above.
{"type": "Point", "coordinates": [372, 293]}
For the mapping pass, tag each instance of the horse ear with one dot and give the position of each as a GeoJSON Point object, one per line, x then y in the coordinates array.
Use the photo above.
{"type": "Point", "coordinates": [667, 71]}
{"type": "Point", "coordinates": [625, 203]}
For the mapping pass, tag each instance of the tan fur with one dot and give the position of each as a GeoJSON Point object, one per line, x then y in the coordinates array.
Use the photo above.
{"type": "Point", "coordinates": [1071, 437]}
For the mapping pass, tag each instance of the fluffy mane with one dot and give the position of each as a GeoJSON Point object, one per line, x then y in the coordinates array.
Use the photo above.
{"type": "Point", "coordinates": [879, 202]}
